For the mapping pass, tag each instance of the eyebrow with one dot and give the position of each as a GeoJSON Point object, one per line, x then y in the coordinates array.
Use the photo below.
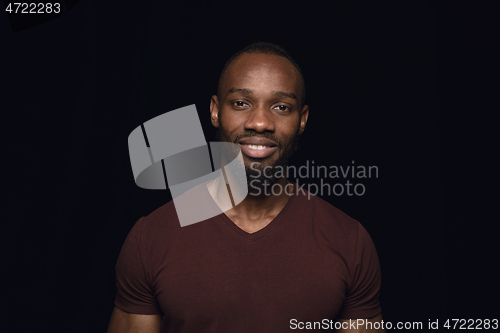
{"type": "Point", "coordinates": [284, 94]}
{"type": "Point", "coordinates": [245, 91]}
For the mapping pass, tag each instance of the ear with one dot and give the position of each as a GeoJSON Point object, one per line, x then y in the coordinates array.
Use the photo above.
{"type": "Point", "coordinates": [214, 111]}
{"type": "Point", "coordinates": [304, 114]}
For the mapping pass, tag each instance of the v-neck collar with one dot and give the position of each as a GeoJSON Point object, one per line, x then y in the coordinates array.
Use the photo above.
{"type": "Point", "coordinates": [251, 237]}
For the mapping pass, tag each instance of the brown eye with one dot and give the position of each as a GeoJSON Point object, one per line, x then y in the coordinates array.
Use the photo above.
{"type": "Point", "coordinates": [283, 108]}
{"type": "Point", "coordinates": [239, 103]}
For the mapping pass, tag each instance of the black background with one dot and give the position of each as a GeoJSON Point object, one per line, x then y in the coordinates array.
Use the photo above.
{"type": "Point", "coordinates": [405, 86]}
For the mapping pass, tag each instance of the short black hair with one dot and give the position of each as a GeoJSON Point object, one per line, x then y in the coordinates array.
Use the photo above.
{"type": "Point", "coordinates": [264, 48]}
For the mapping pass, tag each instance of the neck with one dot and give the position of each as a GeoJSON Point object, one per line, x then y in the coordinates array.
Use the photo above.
{"type": "Point", "coordinates": [259, 207]}
{"type": "Point", "coordinates": [264, 202]}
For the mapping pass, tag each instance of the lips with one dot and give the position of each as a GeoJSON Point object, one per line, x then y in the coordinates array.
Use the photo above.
{"type": "Point", "coordinates": [257, 147]}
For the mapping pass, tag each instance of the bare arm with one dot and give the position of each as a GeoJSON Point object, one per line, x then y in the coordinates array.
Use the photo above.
{"type": "Point", "coordinates": [365, 326]}
{"type": "Point", "coordinates": [124, 322]}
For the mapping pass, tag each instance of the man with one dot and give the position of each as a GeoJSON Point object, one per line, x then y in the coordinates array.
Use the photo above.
{"type": "Point", "coordinates": [273, 263]}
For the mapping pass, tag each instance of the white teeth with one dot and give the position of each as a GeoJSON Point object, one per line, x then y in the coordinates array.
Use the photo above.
{"type": "Point", "coordinates": [257, 147]}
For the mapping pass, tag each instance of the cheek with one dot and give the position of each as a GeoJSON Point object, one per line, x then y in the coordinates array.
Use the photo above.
{"type": "Point", "coordinates": [291, 130]}
{"type": "Point", "coordinates": [228, 131]}
{"type": "Point", "coordinates": [231, 125]}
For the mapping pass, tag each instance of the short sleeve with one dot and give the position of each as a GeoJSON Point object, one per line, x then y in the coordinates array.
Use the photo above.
{"type": "Point", "coordinates": [135, 294]}
{"type": "Point", "coordinates": [362, 299]}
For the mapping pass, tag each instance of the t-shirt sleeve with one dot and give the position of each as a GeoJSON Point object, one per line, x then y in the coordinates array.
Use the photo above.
{"type": "Point", "coordinates": [362, 299]}
{"type": "Point", "coordinates": [135, 294]}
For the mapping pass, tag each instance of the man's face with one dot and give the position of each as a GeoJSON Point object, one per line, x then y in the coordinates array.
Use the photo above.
{"type": "Point", "coordinates": [259, 109]}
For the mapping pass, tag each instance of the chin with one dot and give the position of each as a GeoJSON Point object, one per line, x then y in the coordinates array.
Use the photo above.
{"type": "Point", "coordinates": [260, 163]}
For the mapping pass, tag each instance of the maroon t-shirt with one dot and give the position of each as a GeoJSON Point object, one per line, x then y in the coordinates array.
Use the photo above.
{"type": "Point", "coordinates": [312, 262]}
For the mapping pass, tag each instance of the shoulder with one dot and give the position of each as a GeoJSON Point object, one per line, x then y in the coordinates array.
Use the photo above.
{"type": "Point", "coordinates": [163, 226]}
{"type": "Point", "coordinates": [165, 219]}
{"type": "Point", "coordinates": [333, 221]}
{"type": "Point", "coordinates": [330, 226]}
{"type": "Point", "coordinates": [161, 219]}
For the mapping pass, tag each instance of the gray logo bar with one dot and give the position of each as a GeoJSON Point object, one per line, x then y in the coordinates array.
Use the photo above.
{"type": "Point", "coordinates": [179, 158]}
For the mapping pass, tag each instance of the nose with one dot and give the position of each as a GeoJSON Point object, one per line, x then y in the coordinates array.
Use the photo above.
{"type": "Point", "coordinates": [260, 120]}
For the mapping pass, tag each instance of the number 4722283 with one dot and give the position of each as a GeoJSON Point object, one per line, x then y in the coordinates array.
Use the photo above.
{"type": "Point", "coordinates": [33, 8]}
{"type": "Point", "coordinates": [471, 324]}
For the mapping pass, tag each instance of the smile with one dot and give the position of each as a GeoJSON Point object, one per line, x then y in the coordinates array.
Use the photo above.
{"type": "Point", "coordinates": [257, 151]}
{"type": "Point", "coordinates": [257, 147]}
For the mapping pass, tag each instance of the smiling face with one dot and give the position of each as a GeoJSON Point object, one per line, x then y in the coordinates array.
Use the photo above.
{"type": "Point", "coordinates": [259, 108]}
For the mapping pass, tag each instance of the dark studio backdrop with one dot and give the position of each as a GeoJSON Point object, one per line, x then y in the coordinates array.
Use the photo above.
{"type": "Point", "coordinates": [399, 85]}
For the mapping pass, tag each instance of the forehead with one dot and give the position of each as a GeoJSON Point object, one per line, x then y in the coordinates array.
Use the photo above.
{"type": "Point", "coordinates": [264, 71]}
